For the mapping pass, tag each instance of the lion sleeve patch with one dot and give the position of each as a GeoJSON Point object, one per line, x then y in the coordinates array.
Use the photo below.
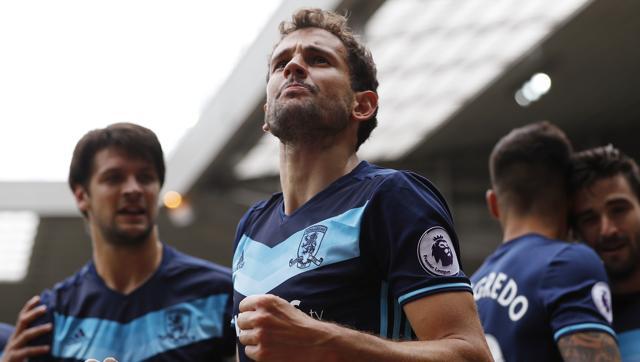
{"type": "Point", "coordinates": [436, 253]}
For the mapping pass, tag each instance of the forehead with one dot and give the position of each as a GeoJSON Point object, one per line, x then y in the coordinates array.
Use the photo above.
{"type": "Point", "coordinates": [603, 191]}
{"type": "Point", "coordinates": [115, 157]}
{"type": "Point", "coordinates": [310, 37]}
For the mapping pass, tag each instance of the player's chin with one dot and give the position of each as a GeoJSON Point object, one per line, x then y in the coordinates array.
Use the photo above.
{"type": "Point", "coordinates": [134, 233]}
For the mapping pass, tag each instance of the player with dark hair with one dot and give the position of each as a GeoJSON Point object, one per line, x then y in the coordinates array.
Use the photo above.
{"type": "Point", "coordinates": [540, 298]}
{"type": "Point", "coordinates": [138, 298]}
{"type": "Point", "coordinates": [606, 215]}
{"type": "Point", "coordinates": [344, 255]}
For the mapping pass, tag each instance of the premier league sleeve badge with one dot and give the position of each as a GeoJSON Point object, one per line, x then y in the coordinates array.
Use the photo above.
{"type": "Point", "coordinates": [436, 253]}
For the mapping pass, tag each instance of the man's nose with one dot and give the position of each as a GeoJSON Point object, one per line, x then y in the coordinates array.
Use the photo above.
{"type": "Point", "coordinates": [607, 226]}
{"type": "Point", "coordinates": [132, 186]}
{"type": "Point", "coordinates": [296, 68]}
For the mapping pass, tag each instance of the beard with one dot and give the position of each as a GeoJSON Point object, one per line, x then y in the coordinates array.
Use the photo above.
{"type": "Point", "coordinates": [116, 236]}
{"type": "Point", "coordinates": [308, 122]}
{"type": "Point", "coordinates": [622, 268]}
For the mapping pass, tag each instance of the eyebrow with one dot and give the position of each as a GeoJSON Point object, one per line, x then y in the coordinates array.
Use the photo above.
{"type": "Point", "coordinates": [617, 200]}
{"type": "Point", "coordinates": [584, 213]}
{"type": "Point", "coordinates": [307, 48]}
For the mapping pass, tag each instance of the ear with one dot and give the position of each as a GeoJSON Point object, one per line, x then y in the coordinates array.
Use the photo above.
{"type": "Point", "coordinates": [82, 198]}
{"type": "Point", "coordinates": [492, 204]}
{"type": "Point", "coordinates": [265, 125]}
{"type": "Point", "coordinates": [365, 105]}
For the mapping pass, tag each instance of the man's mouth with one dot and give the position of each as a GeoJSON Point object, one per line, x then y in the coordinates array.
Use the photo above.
{"type": "Point", "coordinates": [132, 211]}
{"type": "Point", "coordinates": [296, 87]}
{"type": "Point", "coordinates": [610, 245]}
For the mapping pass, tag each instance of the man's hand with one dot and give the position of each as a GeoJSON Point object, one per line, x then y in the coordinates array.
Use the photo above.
{"type": "Point", "coordinates": [447, 324]}
{"type": "Point", "coordinates": [273, 330]}
{"type": "Point", "coordinates": [17, 348]}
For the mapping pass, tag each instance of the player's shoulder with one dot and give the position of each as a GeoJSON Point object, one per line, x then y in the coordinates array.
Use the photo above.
{"type": "Point", "coordinates": [260, 207]}
{"type": "Point", "coordinates": [572, 261]}
{"type": "Point", "coordinates": [402, 187]}
{"type": "Point", "coordinates": [579, 254]}
{"type": "Point", "coordinates": [192, 272]}
{"type": "Point", "coordinates": [65, 290]}
{"type": "Point", "coordinates": [184, 262]}
{"type": "Point", "coordinates": [388, 179]}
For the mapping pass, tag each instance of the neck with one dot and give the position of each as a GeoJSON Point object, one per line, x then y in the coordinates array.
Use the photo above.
{"type": "Point", "coordinates": [628, 285]}
{"type": "Point", "coordinates": [515, 226]}
{"type": "Point", "coordinates": [125, 268]}
{"type": "Point", "coordinates": [305, 171]}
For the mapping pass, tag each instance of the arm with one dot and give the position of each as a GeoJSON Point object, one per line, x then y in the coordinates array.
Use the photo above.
{"type": "Point", "coordinates": [588, 346]}
{"type": "Point", "coordinates": [446, 324]}
{"type": "Point", "coordinates": [17, 348]}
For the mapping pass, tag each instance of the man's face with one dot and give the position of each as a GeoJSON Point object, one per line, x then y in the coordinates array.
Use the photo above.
{"type": "Point", "coordinates": [309, 95]}
{"type": "Point", "coordinates": [607, 217]}
{"type": "Point", "coordinates": [121, 200]}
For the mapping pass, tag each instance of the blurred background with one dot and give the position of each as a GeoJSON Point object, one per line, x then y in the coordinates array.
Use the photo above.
{"type": "Point", "coordinates": [455, 75]}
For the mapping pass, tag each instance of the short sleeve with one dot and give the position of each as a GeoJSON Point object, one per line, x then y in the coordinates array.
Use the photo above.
{"type": "Point", "coordinates": [575, 292]}
{"type": "Point", "coordinates": [408, 229]}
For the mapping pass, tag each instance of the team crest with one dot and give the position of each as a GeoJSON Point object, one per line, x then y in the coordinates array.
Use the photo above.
{"type": "Point", "coordinates": [602, 299]}
{"type": "Point", "coordinates": [177, 323]}
{"type": "Point", "coordinates": [436, 253]}
{"type": "Point", "coordinates": [309, 246]}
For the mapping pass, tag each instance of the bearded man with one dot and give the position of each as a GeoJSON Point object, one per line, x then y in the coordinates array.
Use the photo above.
{"type": "Point", "coordinates": [138, 298]}
{"type": "Point", "coordinates": [340, 265]}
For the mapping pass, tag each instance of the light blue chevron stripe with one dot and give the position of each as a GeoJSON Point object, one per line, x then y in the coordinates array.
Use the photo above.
{"type": "Point", "coordinates": [141, 338]}
{"type": "Point", "coordinates": [264, 268]}
{"type": "Point", "coordinates": [583, 327]}
{"type": "Point", "coordinates": [446, 286]}
{"type": "Point", "coordinates": [629, 343]}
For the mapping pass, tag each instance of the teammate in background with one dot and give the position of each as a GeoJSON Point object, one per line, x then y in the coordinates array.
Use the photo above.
{"type": "Point", "coordinates": [540, 298]}
{"type": "Point", "coordinates": [348, 249]}
{"type": "Point", "coordinates": [137, 299]}
{"type": "Point", "coordinates": [606, 215]}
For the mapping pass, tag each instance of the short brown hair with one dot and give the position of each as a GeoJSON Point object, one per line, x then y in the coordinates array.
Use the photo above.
{"type": "Point", "coordinates": [133, 139]}
{"type": "Point", "coordinates": [597, 163]}
{"type": "Point", "coordinates": [530, 167]}
{"type": "Point", "coordinates": [362, 69]}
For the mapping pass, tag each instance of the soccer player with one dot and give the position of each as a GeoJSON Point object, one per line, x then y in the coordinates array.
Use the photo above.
{"type": "Point", "coordinates": [540, 298]}
{"type": "Point", "coordinates": [606, 215]}
{"type": "Point", "coordinates": [138, 298]}
{"type": "Point", "coordinates": [350, 259]}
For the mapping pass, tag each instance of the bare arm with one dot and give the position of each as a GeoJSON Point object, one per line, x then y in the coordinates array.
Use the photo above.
{"type": "Point", "coordinates": [446, 324]}
{"type": "Point", "coordinates": [588, 346]}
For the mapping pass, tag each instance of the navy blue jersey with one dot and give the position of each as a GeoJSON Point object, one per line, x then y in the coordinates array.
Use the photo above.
{"type": "Point", "coordinates": [533, 290]}
{"type": "Point", "coordinates": [5, 333]}
{"type": "Point", "coordinates": [181, 313]}
{"type": "Point", "coordinates": [626, 323]}
{"type": "Point", "coordinates": [372, 241]}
